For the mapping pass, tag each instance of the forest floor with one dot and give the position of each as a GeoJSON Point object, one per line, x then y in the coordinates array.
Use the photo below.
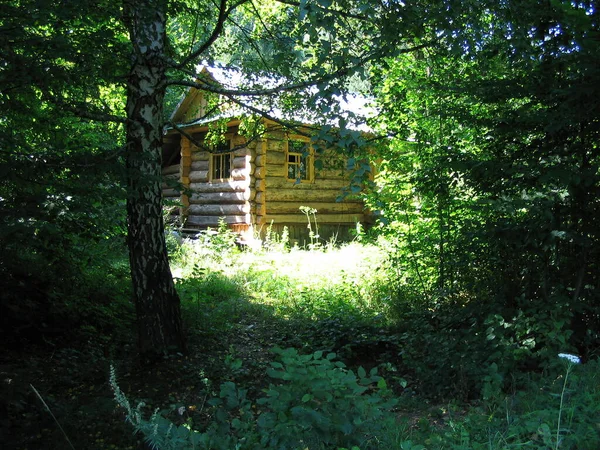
{"type": "Point", "coordinates": [55, 391]}
{"type": "Point", "coordinates": [73, 383]}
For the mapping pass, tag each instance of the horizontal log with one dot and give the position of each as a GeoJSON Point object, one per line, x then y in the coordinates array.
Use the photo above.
{"type": "Point", "coordinates": [277, 171]}
{"type": "Point", "coordinates": [321, 218]}
{"type": "Point", "coordinates": [170, 169]}
{"type": "Point", "coordinates": [198, 176]}
{"type": "Point", "coordinates": [199, 165]}
{"type": "Point", "coordinates": [239, 174]}
{"type": "Point", "coordinates": [220, 197]}
{"type": "Point", "coordinates": [170, 193]}
{"type": "Point", "coordinates": [200, 156]}
{"type": "Point", "coordinates": [164, 186]}
{"type": "Point", "coordinates": [213, 221]}
{"type": "Point", "coordinates": [273, 182]}
{"type": "Point", "coordinates": [171, 176]}
{"type": "Point", "coordinates": [291, 193]}
{"type": "Point", "coordinates": [259, 160]}
{"type": "Point", "coordinates": [332, 174]}
{"type": "Point", "coordinates": [219, 186]}
{"type": "Point", "coordinates": [275, 158]}
{"type": "Point", "coordinates": [241, 151]}
{"type": "Point", "coordinates": [275, 145]}
{"type": "Point", "coordinates": [239, 162]}
{"type": "Point", "coordinates": [219, 210]}
{"type": "Point", "coordinates": [321, 207]}
{"type": "Point", "coordinates": [260, 185]}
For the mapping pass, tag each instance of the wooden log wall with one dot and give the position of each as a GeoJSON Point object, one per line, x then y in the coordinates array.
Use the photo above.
{"type": "Point", "coordinates": [283, 198]}
{"type": "Point", "coordinates": [211, 200]}
{"type": "Point", "coordinates": [258, 181]}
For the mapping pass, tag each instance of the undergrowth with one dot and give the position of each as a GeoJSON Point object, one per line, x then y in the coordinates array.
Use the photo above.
{"type": "Point", "coordinates": [452, 379]}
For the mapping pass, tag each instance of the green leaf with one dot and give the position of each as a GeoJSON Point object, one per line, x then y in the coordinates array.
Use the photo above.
{"type": "Point", "coordinates": [361, 372]}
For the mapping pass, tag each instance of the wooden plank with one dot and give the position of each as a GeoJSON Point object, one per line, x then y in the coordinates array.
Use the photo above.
{"type": "Point", "coordinates": [219, 210]}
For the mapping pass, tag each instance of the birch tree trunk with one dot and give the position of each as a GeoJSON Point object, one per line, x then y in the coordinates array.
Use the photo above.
{"type": "Point", "coordinates": [157, 303]}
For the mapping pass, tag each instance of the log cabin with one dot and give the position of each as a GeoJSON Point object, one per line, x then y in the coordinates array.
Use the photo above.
{"type": "Point", "coordinates": [254, 182]}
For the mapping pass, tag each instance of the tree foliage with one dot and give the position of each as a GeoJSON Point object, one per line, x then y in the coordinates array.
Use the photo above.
{"type": "Point", "coordinates": [491, 181]}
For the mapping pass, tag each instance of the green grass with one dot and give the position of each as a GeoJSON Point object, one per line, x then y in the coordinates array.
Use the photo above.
{"type": "Point", "coordinates": [338, 299]}
{"type": "Point", "coordinates": [239, 305]}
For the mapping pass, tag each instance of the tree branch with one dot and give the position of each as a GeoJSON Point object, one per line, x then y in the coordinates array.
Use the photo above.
{"type": "Point", "coordinates": [82, 111]}
{"type": "Point", "coordinates": [338, 12]}
{"type": "Point", "coordinates": [216, 89]}
{"type": "Point", "coordinates": [224, 12]}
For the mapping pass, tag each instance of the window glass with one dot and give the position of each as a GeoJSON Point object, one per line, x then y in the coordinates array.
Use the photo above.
{"type": "Point", "coordinates": [298, 160]}
{"type": "Point", "coordinates": [221, 162]}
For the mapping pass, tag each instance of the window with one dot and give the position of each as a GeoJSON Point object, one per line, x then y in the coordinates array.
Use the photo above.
{"type": "Point", "coordinates": [299, 161]}
{"type": "Point", "coordinates": [221, 162]}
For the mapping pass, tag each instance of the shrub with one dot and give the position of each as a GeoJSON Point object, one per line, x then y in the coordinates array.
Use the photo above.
{"type": "Point", "coordinates": [313, 402]}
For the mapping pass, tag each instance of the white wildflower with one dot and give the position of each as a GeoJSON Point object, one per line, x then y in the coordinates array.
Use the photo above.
{"type": "Point", "coordinates": [571, 358]}
{"type": "Point", "coordinates": [181, 410]}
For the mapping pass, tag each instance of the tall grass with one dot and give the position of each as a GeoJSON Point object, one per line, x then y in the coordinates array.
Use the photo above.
{"type": "Point", "coordinates": [331, 290]}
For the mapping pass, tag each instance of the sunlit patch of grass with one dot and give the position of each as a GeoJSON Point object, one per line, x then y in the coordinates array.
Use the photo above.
{"type": "Point", "coordinates": [310, 284]}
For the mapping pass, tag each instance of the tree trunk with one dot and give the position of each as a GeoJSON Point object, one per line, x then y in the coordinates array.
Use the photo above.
{"type": "Point", "coordinates": [157, 303]}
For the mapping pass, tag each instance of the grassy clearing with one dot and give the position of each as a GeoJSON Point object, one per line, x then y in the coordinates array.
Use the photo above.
{"type": "Point", "coordinates": [239, 306]}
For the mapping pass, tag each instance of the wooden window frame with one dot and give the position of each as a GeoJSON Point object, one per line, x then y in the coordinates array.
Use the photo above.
{"type": "Point", "coordinates": [307, 158]}
{"type": "Point", "coordinates": [221, 156]}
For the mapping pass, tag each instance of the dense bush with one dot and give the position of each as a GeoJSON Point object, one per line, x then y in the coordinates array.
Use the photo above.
{"type": "Point", "coordinates": [313, 402]}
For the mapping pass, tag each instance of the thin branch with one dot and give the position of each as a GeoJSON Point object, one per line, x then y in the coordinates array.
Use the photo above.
{"type": "Point", "coordinates": [83, 112]}
{"type": "Point", "coordinates": [224, 12]}
{"type": "Point", "coordinates": [203, 147]}
{"type": "Point", "coordinates": [216, 89]}
{"type": "Point", "coordinates": [338, 12]}
{"type": "Point", "coordinates": [284, 123]}
{"type": "Point", "coordinates": [250, 41]}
